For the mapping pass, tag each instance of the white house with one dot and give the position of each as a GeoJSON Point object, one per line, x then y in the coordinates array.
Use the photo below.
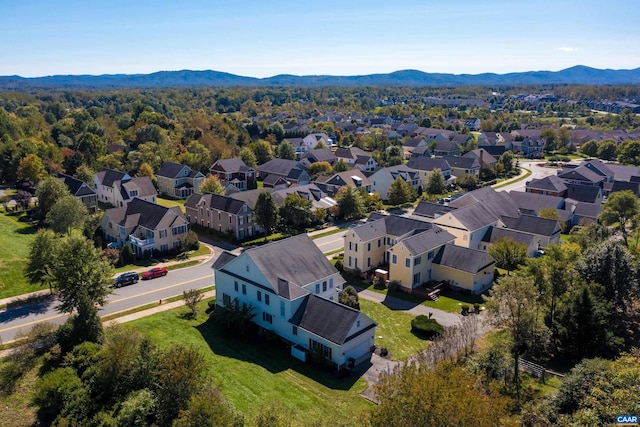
{"type": "Point", "coordinates": [294, 289]}
{"type": "Point", "coordinates": [118, 188]}
{"type": "Point", "coordinates": [383, 178]}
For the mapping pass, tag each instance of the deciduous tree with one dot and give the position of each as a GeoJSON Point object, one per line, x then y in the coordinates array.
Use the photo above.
{"type": "Point", "coordinates": [508, 253]}
{"type": "Point", "coordinates": [350, 203]}
{"type": "Point", "coordinates": [266, 212]}
{"type": "Point", "coordinates": [436, 183]}
{"type": "Point", "coordinates": [400, 192]}
{"type": "Point", "coordinates": [31, 169]}
{"type": "Point", "coordinates": [620, 207]}
{"type": "Point", "coordinates": [286, 150]}
{"type": "Point", "coordinates": [295, 210]}
{"type": "Point", "coordinates": [211, 184]}
{"type": "Point", "coordinates": [48, 193]}
{"type": "Point", "coordinates": [67, 213]}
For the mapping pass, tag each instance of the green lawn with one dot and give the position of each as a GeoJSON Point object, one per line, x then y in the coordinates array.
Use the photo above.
{"type": "Point", "coordinates": [394, 330]}
{"type": "Point", "coordinates": [15, 239]}
{"type": "Point", "coordinates": [169, 203]}
{"type": "Point", "coordinates": [254, 374]}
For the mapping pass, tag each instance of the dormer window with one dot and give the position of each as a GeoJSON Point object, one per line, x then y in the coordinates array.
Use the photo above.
{"type": "Point", "coordinates": [133, 193]}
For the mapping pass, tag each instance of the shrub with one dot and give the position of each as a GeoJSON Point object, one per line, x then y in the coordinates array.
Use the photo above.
{"type": "Point", "coordinates": [384, 352]}
{"type": "Point", "coordinates": [378, 283]}
{"type": "Point", "coordinates": [426, 328]}
{"type": "Point", "coordinates": [394, 285]}
{"type": "Point", "coordinates": [476, 308]}
{"type": "Point", "coordinates": [339, 266]}
{"type": "Point", "coordinates": [465, 309]}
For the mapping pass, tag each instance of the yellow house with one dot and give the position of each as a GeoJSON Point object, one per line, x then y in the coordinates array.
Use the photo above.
{"type": "Point", "coordinates": [469, 270]}
{"type": "Point", "coordinates": [411, 258]}
{"type": "Point", "coordinates": [468, 224]}
{"type": "Point", "coordinates": [366, 246]}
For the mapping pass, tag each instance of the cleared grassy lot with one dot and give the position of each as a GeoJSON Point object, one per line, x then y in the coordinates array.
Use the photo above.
{"type": "Point", "coordinates": [15, 239]}
{"type": "Point", "coordinates": [253, 374]}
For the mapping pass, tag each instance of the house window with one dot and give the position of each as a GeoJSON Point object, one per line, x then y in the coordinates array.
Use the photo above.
{"type": "Point", "coordinates": [294, 330]}
{"type": "Point", "coordinates": [259, 296]}
{"type": "Point", "coordinates": [417, 260]}
{"type": "Point", "coordinates": [331, 283]}
{"type": "Point", "coordinates": [267, 318]}
{"type": "Point", "coordinates": [368, 262]}
{"type": "Point", "coordinates": [266, 299]}
{"type": "Point", "coordinates": [416, 279]}
{"type": "Point", "coordinates": [407, 262]}
{"type": "Point", "coordinates": [358, 323]}
{"type": "Point", "coordinates": [244, 289]}
{"type": "Point", "coordinates": [164, 247]}
{"type": "Point", "coordinates": [369, 246]}
{"type": "Point", "coordinates": [430, 255]}
{"type": "Point", "coordinates": [378, 242]}
{"type": "Point", "coordinates": [325, 350]}
{"type": "Point", "coordinates": [356, 247]}
{"type": "Point", "coordinates": [350, 248]}
{"type": "Point", "coordinates": [281, 308]}
{"type": "Point", "coordinates": [235, 286]}
{"type": "Point", "coordinates": [317, 288]}
{"type": "Point", "coordinates": [349, 261]}
{"type": "Point", "coordinates": [394, 259]}
{"type": "Point", "coordinates": [240, 220]}
{"type": "Point", "coordinates": [355, 263]}
{"type": "Point", "coordinates": [226, 300]}
{"type": "Point", "coordinates": [465, 237]}
{"type": "Point", "coordinates": [163, 233]}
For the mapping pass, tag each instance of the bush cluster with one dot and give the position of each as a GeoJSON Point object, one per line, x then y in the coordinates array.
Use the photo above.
{"type": "Point", "coordinates": [426, 328]}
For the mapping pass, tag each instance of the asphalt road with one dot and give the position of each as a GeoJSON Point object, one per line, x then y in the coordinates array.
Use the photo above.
{"type": "Point", "coordinates": [537, 172]}
{"type": "Point", "coordinates": [330, 243]}
{"type": "Point", "coordinates": [143, 292]}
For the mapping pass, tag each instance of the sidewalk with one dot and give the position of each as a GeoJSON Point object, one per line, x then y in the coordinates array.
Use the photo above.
{"type": "Point", "coordinates": [46, 292]}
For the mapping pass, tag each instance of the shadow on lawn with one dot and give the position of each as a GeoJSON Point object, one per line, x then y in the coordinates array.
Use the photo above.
{"type": "Point", "coordinates": [23, 308]}
{"type": "Point", "coordinates": [274, 356]}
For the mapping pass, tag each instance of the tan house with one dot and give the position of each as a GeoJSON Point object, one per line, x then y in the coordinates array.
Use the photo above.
{"type": "Point", "coordinates": [146, 226]}
{"type": "Point", "coordinates": [366, 246]}
{"type": "Point", "coordinates": [411, 259]}
{"type": "Point", "coordinates": [468, 270]}
{"type": "Point", "coordinates": [118, 188]}
{"type": "Point", "coordinates": [180, 181]}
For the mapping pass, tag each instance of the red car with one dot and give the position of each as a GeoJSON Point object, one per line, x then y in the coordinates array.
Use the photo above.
{"type": "Point", "coordinates": [154, 272]}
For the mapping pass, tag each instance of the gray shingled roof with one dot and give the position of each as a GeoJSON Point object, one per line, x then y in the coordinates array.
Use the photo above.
{"type": "Point", "coordinates": [475, 216]}
{"type": "Point", "coordinates": [499, 203]}
{"type": "Point", "coordinates": [143, 184]}
{"type": "Point", "coordinates": [532, 224]}
{"type": "Point", "coordinates": [427, 240]}
{"type": "Point", "coordinates": [107, 177]}
{"type": "Point", "coordinates": [223, 260]}
{"type": "Point", "coordinates": [321, 155]}
{"type": "Point", "coordinates": [462, 162]}
{"type": "Point", "coordinates": [431, 210]}
{"type": "Point", "coordinates": [464, 259]}
{"type": "Point", "coordinates": [289, 290]}
{"type": "Point", "coordinates": [626, 185]}
{"type": "Point", "coordinates": [392, 225]}
{"type": "Point", "coordinates": [141, 212]}
{"type": "Point", "coordinates": [250, 197]}
{"type": "Point", "coordinates": [230, 165]}
{"type": "Point", "coordinates": [533, 202]}
{"type": "Point", "coordinates": [327, 319]}
{"type": "Point", "coordinates": [583, 193]}
{"type": "Point", "coordinates": [589, 210]}
{"type": "Point", "coordinates": [170, 170]}
{"type": "Point", "coordinates": [282, 167]}
{"type": "Point", "coordinates": [497, 233]}
{"type": "Point", "coordinates": [623, 172]}
{"type": "Point", "coordinates": [296, 259]}
{"type": "Point", "coordinates": [581, 173]}
{"type": "Point", "coordinates": [216, 201]}
{"type": "Point", "coordinates": [548, 183]}
{"type": "Point", "coordinates": [76, 187]}
{"type": "Point", "coordinates": [428, 163]}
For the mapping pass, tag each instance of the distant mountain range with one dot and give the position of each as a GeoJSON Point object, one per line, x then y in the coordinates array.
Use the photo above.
{"type": "Point", "coordinates": [186, 78]}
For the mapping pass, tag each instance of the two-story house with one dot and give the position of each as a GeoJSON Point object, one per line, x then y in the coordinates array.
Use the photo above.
{"type": "Point", "coordinates": [293, 290]}
{"type": "Point", "coordinates": [146, 226]}
{"type": "Point", "coordinates": [426, 165]}
{"type": "Point", "coordinates": [461, 166]}
{"type": "Point", "coordinates": [357, 158]}
{"type": "Point", "coordinates": [483, 157]}
{"type": "Point", "coordinates": [383, 178]}
{"type": "Point", "coordinates": [319, 155]}
{"type": "Point", "coordinates": [180, 181]}
{"type": "Point", "coordinates": [221, 213]}
{"type": "Point", "coordinates": [331, 184]}
{"type": "Point", "coordinates": [81, 190]}
{"type": "Point", "coordinates": [472, 123]}
{"type": "Point", "coordinates": [290, 170]}
{"type": "Point", "coordinates": [234, 172]}
{"type": "Point", "coordinates": [550, 185]}
{"type": "Point", "coordinates": [366, 246]}
{"type": "Point", "coordinates": [118, 188]}
{"type": "Point", "coordinates": [545, 231]}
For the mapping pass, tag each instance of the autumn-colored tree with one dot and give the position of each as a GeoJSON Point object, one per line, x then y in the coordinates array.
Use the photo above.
{"type": "Point", "coordinates": [31, 169]}
{"type": "Point", "coordinates": [211, 184]}
{"type": "Point", "coordinates": [319, 168]}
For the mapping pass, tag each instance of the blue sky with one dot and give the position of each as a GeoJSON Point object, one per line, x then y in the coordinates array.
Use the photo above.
{"type": "Point", "coordinates": [269, 37]}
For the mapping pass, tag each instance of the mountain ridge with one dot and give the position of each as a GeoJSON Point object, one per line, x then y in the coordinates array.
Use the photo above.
{"type": "Point", "coordinates": [578, 74]}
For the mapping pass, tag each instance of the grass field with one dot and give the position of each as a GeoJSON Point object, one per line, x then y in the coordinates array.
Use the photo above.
{"type": "Point", "coordinates": [256, 374]}
{"type": "Point", "coordinates": [394, 330]}
{"type": "Point", "coordinates": [15, 239]}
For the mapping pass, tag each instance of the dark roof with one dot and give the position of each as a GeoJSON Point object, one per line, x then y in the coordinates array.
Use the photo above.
{"type": "Point", "coordinates": [216, 201]}
{"type": "Point", "coordinates": [297, 260]}
{"type": "Point", "coordinates": [581, 173]}
{"type": "Point", "coordinates": [464, 259]}
{"type": "Point", "coordinates": [481, 152]}
{"type": "Point", "coordinates": [624, 172]}
{"type": "Point", "coordinates": [532, 224]}
{"type": "Point", "coordinates": [76, 187]}
{"type": "Point", "coordinates": [273, 179]}
{"type": "Point", "coordinates": [428, 163]}
{"type": "Point", "coordinates": [599, 167]}
{"type": "Point", "coordinates": [282, 167]}
{"type": "Point", "coordinates": [533, 202]}
{"type": "Point", "coordinates": [446, 146]}
{"type": "Point", "coordinates": [171, 169]}
{"type": "Point", "coordinates": [290, 291]}
{"type": "Point", "coordinates": [431, 210]}
{"type": "Point", "coordinates": [146, 214]}
{"type": "Point", "coordinates": [143, 184]}
{"type": "Point", "coordinates": [108, 176]}
{"type": "Point", "coordinates": [626, 185]}
{"type": "Point", "coordinates": [496, 233]}
{"type": "Point", "coordinates": [495, 150]}
{"type": "Point", "coordinates": [462, 162]}
{"type": "Point", "coordinates": [427, 240]}
{"type": "Point", "coordinates": [589, 210]}
{"type": "Point", "coordinates": [230, 165]}
{"type": "Point", "coordinates": [327, 319]}
{"type": "Point", "coordinates": [413, 142]}
{"type": "Point", "coordinates": [548, 183]}
{"type": "Point", "coordinates": [321, 155]}
{"type": "Point", "coordinates": [393, 225]}
{"type": "Point", "coordinates": [250, 197]}
{"type": "Point", "coordinates": [583, 193]}
{"type": "Point", "coordinates": [222, 260]}
{"type": "Point", "coordinates": [497, 202]}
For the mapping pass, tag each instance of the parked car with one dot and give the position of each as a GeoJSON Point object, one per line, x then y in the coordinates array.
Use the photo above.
{"type": "Point", "coordinates": [154, 272]}
{"type": "Point", "coordinates": [126, 279]}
